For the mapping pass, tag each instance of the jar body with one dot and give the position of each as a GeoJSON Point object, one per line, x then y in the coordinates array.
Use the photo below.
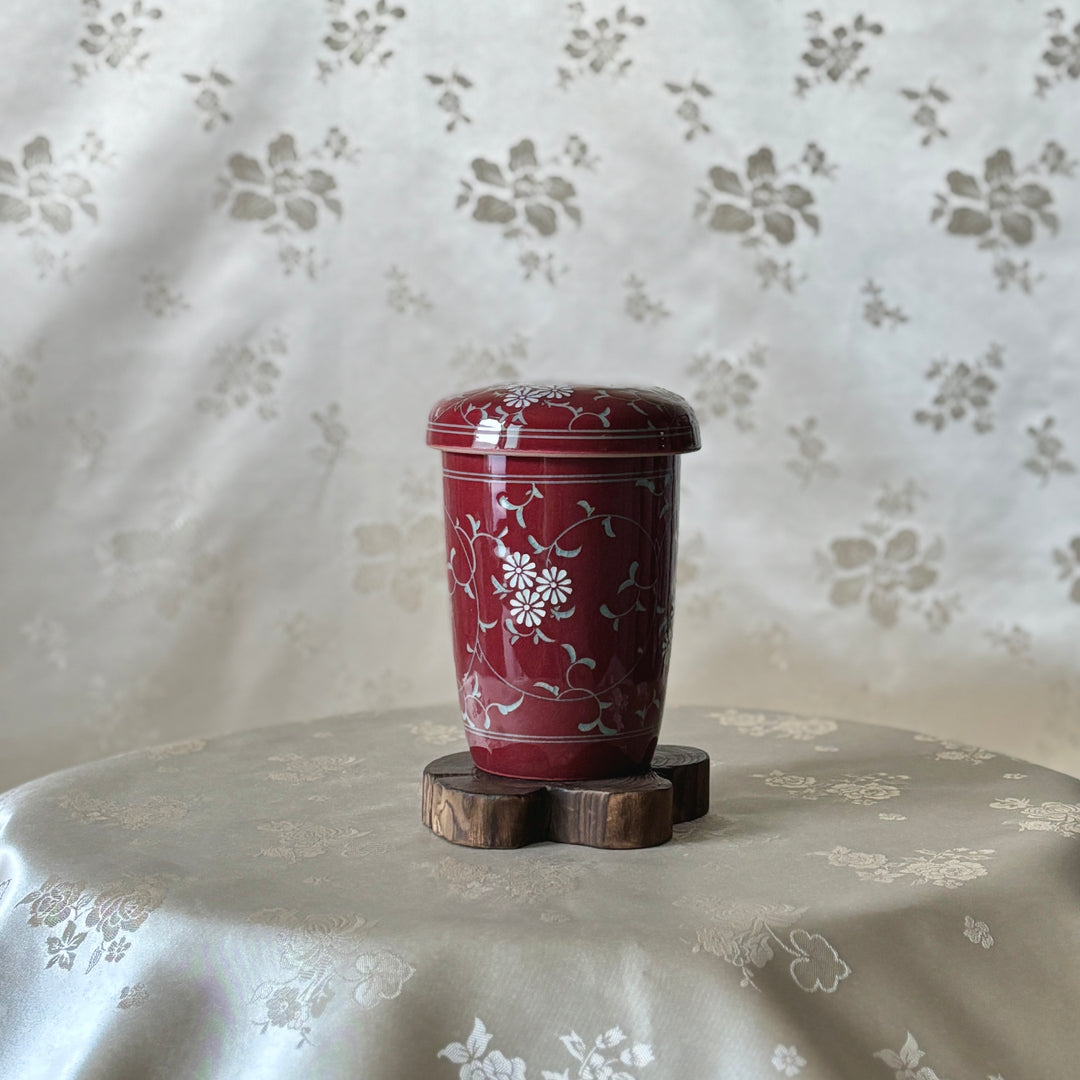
{"type": "Point", "coordinates": [561, 574]}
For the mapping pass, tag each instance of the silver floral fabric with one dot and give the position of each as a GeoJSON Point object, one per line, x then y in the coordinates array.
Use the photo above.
{"type": "Point", "coordinates": [860, 902]}
{"type": "Point", "coordinates": [245, 246]}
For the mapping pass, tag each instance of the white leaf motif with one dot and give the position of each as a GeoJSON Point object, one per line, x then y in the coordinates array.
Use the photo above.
{"type": "Point", "coordinates": [910, 1053]}
{"type": "Point", "coordinates": [612, 1037]}
{"type": "Point", "coordinates": [454, 1052]}
{"type": "Point", "coordinates": [479, 1039]}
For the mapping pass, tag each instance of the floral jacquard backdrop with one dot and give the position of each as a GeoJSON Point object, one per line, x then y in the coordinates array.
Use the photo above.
{"type": "Point", "coordinates": [245, 247]}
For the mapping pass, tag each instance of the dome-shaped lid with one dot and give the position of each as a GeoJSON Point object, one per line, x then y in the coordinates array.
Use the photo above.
{"type": "Point", "coordinates": [567, 421]}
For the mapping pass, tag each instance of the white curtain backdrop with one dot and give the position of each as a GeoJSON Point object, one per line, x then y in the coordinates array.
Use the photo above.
{"type": "Point", "coordinates": [244, 246]}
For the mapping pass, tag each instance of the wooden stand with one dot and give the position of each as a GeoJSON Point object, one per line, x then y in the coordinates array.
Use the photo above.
{"type": "Point", "coordinates": [467, 806]}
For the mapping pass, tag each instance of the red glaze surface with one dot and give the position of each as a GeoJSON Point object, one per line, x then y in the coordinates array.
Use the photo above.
{"type": "Point", "coordinates": [561, 572]}
{"type": "Point", "coordinates": [564, 421]}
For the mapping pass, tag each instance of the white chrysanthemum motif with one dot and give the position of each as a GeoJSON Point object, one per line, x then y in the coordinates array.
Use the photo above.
{"type": "Point", "coordinates": [519, 571]}
{"type": "Point", "coordinates": [553, 585]}
{"type": "Point", "coordinates": [787, 1060]}
{"type": "Point", "coordinates": [526, 608]}
{"type": "Point", "coordinates": [557, 392]}
{"type": "Point", "coordinates": [517, 397]}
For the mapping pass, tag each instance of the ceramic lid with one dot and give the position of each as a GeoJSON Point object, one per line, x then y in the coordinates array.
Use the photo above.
{"type": "Point", "coordinates": [557, 420]}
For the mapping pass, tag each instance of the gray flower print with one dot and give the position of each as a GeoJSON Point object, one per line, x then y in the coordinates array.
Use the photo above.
{"type": "Point", "coordinates": [812, 449]}
{"type": "Point", "coordinates": [900, 501]}
{"type": "Point", "coordinates": [403, 299]}
{"type": "Point", "coordinates": [576, 152]}
{"type": "Point", "coordinates": [477, 365]}
{"type": "Point", "coordinates": [18, 380]}
{"type": "Point", "coordinates": [1062, 54]}
{"type": "Point", "coordinates": [335, 436]}
{"type": "Point", "coordinates": [927, 102]}
{"type": "Point", "coordinates": [1067, 561]}
{"type": "Point", "coordinates": [690, 96]}
{"type": "Point", "coordinates": [763, 206]}
{"type": "Point", "coordinates": [48, 197]}
{"type": "Point", "coordinates": [881, 572]}
{"type": "Point", "coordinates": [451, 87]}
{"type": "Point", "coordinates": [283, 193]}
{"type": "Point", "coordinates": [90, 441]}
{"type": "Point", "coordinates": [133, 997]}
{"type": "Point", "coordinates": [246, 374]}
{"type": "Point", "coordinates": [639, 306]}
{"type": "Point", "coordinates": [284, 189]}
{"type": "Point", "coordinates": [48, 637]}
{"type": "Point", "coordinates": [963, 387]}
{"type": "Point", "coordinates": [597, 46]}
{"type": "Point", "coordinates": [876, 311]}
{"type": "Point", "coordinates": [208, 100]}
{"type": "Point", "coordinates": [357, 38]}
{"type": "Point", "coordinates": [44, 195]}
{"type": "Point", "coordinates": [888, 567]}
{"type": "Point", "coordinates": [1047, 458]}
{"type": "Point", "coordinates": [405, 556]}
{"type": "Point", "coordinates": [728, 386]}
{"type": "Point", "coordinates": [403, 560]}
{"type": "Point", "coordinates": [1013, 640]}
{"type": "Point", "coordinates": [835, 57]}
{"type": "Point", "coordinates": [1003, 208]}
{"type": "Point", "coordinates": [158, 297]}
{"type": "Point", "coordinates": [114, 39]}
{"type": "Point", "coordinates": [524, 198]}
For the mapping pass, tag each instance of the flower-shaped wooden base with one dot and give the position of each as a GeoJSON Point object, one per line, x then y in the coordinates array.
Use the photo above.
{"type": "Point", "coordinates": [466, 806]}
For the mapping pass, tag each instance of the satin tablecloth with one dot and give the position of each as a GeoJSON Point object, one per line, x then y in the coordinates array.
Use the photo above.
{"type": "Point", "coordinates": [860, 903]}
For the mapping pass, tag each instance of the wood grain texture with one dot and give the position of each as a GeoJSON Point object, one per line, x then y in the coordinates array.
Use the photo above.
{"type": "Point", "coordinates": [466, 806]}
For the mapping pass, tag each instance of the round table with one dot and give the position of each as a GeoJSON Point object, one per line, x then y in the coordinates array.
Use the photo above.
{"type": "Point", "coordinates": [860, 902]}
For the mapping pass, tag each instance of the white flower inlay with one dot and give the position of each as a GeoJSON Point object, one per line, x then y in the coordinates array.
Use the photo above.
{"type": "Point", "coordinates": [526, 608]}
{"type": "Point", "coordinates": [557, 392]}
{"type": "Point", "coordinates": [787, 1060]}
{"type": "Point", "coordinates": [517, 397]}
{"type": "Point", "coordinates": [519, 571]}
{"type": "Point", "coordinates": [554, 585]}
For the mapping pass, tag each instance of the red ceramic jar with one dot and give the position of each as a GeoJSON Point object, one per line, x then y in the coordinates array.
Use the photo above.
{"type": "Point", "coordinates": [561, 514]}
